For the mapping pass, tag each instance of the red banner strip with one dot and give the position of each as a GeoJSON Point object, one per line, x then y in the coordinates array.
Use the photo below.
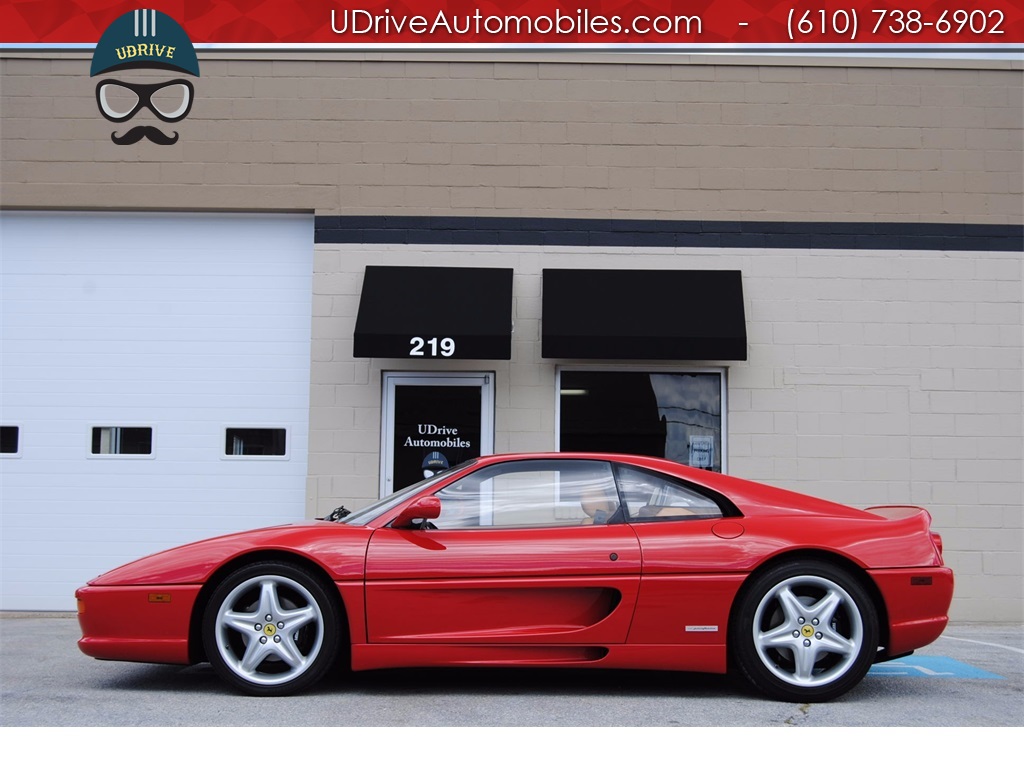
{"type": "Point", "coordinates": [476, 23]}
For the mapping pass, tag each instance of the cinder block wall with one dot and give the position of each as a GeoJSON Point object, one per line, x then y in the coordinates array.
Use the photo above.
{"type": "Point", "coordinates": [874, 377]}
{"type": "Point", "coordinates": [580, 136]}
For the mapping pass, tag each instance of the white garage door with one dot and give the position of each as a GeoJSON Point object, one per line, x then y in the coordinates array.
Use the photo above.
{"type": "Point", "coordinates": [155, 387]}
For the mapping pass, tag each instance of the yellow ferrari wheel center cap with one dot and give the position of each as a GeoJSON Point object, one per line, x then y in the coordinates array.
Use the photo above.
{"type": "Point", "coordinates": [807, 630]}
{"type": "Point", "coordinates": [269, 630]}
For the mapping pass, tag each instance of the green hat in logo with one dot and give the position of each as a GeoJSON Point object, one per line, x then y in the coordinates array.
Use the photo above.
{"type": "Point", "coordinates": [146, 39]}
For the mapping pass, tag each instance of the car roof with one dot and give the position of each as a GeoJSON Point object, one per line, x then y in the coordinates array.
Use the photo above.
{"type": "Point", "coordinates": [749, 496]}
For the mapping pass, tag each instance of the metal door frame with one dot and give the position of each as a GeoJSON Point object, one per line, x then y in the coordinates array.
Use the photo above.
{"type": "Point", "coordinates": [484, 381]}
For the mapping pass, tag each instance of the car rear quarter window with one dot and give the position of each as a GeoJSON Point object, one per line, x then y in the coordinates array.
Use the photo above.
{"type": "Point", "coordinates": [651, 497]}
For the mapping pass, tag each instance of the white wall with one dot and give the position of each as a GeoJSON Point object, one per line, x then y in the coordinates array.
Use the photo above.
{"type": "Point", "coordinates": [186, 323]}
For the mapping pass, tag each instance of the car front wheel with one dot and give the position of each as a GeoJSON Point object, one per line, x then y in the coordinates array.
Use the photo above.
{"type": "Point", "coordinates": [271, 629]}
{"type": "Point", "coordinates": [804, 631]}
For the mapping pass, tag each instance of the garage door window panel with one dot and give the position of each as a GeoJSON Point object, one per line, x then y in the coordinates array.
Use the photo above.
{"type": "Point", "coordinates": [255, 442]}
{"type": "Point", "coordinates": [10, 441]}
{"type": "Point", "coordinates": [122, 441]}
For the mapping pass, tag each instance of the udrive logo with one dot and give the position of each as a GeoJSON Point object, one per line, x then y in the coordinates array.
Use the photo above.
{"type": "Point", "coordinates": [144, 40]}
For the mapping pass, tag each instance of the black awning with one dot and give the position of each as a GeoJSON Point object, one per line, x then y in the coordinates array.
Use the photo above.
{"type": "Point", "coordinates": [624, 314]}
{"type": "Point", "coordinates": [448, 313]}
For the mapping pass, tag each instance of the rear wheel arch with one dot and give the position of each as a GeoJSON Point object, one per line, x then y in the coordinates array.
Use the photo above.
{"type": "Point", "coordinates": [853, 570]}
{"type": "Point", "coordinates": [196, 650]}
{"type": "Point", "coordinates": [808, 669]}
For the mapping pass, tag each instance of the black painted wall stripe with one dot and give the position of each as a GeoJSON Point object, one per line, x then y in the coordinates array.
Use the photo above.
{"type": "Point", "coordinates": [653, 233]}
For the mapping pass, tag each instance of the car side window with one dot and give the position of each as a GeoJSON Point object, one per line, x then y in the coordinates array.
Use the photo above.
{"type": "Point", "coordinates": [650, 497]}
{"type": "Point", "coordinates": [530, 494]}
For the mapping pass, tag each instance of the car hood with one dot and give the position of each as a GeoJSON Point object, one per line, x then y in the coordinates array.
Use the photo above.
{"type": "Point", "coordinates": [339, 549]}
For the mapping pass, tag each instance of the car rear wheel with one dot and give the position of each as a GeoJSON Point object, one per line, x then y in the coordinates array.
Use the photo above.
{"type": "Point", "coordinates": [804, 631]}
{"type": "Point", "coordinates": [271, 629]}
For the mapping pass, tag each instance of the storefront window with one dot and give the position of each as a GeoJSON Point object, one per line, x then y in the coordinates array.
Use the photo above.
{"type": "Point", "coordinates": [677, 416]}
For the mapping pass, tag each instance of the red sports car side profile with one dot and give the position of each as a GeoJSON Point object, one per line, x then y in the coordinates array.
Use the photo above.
{"type": "Point", "coordinates": [544, 560]}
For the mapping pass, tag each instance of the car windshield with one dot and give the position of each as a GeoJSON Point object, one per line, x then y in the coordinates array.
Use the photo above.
{"type": "Point", "coordinates": [382, 506]}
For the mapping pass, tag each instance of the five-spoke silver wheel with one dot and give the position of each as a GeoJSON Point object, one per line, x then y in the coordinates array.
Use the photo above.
{"type": "Point", "coordinates": [804, 631]}
{"type": "Point", "coordinates": [271, 628]}
{"type": "Point", "coordinates": [807, 631]}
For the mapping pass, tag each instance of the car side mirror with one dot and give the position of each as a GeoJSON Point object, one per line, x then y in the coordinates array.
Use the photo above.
{"type": "Point", "coordinates": [425, 508]}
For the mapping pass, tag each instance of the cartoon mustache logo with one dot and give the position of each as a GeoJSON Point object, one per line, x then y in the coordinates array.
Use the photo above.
{"type": "Point", "coordinates": [140, 132]}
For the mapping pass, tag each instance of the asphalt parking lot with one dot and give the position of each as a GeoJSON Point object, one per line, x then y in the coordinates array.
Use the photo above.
{"type": "Point", "coordinates": [972, 676]}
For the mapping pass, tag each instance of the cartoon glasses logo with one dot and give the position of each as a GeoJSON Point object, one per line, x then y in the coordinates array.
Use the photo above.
{"type": "Point", "coordinates": [144, 39]}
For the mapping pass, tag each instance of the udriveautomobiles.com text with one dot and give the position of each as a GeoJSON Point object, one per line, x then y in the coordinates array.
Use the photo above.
{"type": "Point", "coordinates": [583, 22]}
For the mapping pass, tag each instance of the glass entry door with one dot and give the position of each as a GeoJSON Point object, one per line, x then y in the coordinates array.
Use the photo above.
{"type": "Point", "coordinates": [432, 422]}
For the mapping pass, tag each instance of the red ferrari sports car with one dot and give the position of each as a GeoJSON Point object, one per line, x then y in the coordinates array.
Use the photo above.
{"type": "Point", "coordinates": [561, 560]}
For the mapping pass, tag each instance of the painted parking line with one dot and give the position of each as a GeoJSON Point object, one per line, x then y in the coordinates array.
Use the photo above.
{"type": "Point", "coordinates": [930, 666]}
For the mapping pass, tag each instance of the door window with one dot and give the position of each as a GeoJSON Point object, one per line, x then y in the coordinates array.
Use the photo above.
{"type": "Point", "coordinates": [530, 494]}
{"type": "Point", "coordinates": [433, 422]}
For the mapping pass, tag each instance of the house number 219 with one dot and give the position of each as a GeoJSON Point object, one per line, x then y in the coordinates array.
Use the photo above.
{"type": "Point", "coordinates": [421, 347]}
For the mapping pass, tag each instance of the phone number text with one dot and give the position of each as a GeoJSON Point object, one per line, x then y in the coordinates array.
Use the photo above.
{"type": "Point", "coordinates": [885, 24]}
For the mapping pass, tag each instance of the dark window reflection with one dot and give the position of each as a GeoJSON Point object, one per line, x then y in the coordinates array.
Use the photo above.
{"type": "Point", "coordinates": [137, 441]}
{"type": "Point", "coordinates": [672, 415]}
{"type": "Point", "coordinates": [9, 439]}
{"type": "Point", "coordinates": [254, 442]}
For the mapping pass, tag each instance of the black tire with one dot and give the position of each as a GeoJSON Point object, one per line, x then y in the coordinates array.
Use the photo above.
{"type": "Point", "coordinates": [804, 631]}
{"type": "Point", "coordinates": [284, 654]}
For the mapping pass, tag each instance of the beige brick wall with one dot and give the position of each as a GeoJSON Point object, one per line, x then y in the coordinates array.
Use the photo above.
{"type": "Point", "coordinates": [873, 378]}
{"type": "Point", "coordinates": [595, 136]}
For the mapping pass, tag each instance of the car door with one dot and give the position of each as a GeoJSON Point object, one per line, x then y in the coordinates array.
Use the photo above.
{"type": "Point", "coordinates": [523, 552]}
{"type": "Point", "coordinates": [691, 552]}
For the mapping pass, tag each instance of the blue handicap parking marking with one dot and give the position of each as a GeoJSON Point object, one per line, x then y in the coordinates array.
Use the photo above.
{"type": "Point", "coordinates": [930, 666]}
